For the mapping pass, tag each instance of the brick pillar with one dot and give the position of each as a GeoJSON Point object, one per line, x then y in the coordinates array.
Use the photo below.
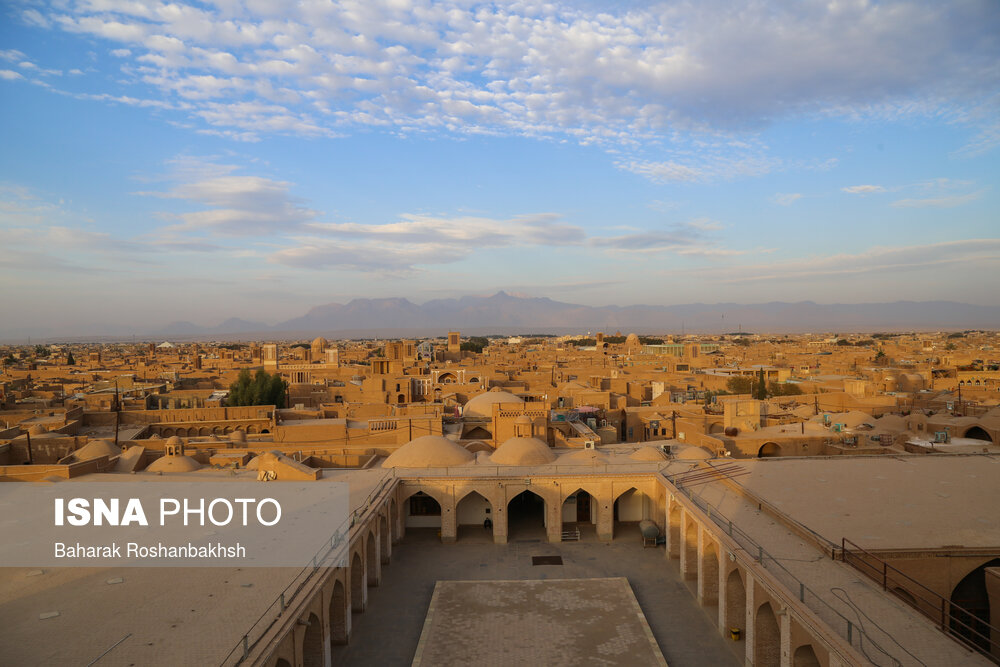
{"type": "Point", "coordinates": [500, 519]}
{"type": "Point", "coordinates": [673, 529]}
{"type": "Point", "coordinates": [605, 514]}
{"type": "Point", "coordinates": [708, 569]}
{"type": "Point", "coordinates": [449, 520]}
{"type": "Point", "coordinates": [751, 608]}
{"type": "Point", "coordinates": [689, 546]}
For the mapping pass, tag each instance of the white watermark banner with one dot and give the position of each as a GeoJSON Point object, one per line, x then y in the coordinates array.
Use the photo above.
{"type": "Point", "coordinates": [172, 524]}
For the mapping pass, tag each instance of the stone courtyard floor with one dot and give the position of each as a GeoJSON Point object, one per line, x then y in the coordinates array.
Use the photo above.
{"type": "Point", "coordinates": [554, 622]}
{"type": "Point", "coordinates": [388, 632]}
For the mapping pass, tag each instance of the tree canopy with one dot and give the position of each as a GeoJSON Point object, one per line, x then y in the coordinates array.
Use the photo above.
{"type": "Point", "coordinates": [259, 389]}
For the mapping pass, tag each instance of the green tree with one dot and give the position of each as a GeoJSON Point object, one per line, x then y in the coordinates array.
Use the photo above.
{"type": "Point", "coordinates": [740, 384]}
{"type": "Point", "coordinates": [880, 357]}
{"type": "Point", "coordinates": [760, 392]}
{"type": "Point", "coordinates": [474, 344]}
{"type": "Point", "coordinates": [70, 360]}
{"type": "Point", "coordinates": [783, 389]}
{"type": "Point", "coordinates": [259, 389]}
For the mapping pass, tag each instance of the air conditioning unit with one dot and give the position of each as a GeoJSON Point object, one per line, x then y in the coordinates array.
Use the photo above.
{"type": "Point", "coordinates": [941, 436]}
{"type": "Point", "coordinates": [665, 449]}
{"type": "Point", "coordinates": [589, 444]}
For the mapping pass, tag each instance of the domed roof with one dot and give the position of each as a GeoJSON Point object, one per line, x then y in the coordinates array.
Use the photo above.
{"type": "Point", "coordinates": [632, 340]}
{"type": "Point", "coordinates": [854, 418]}
{"type": "Point", "coordinates": [173, 464]}
{"type": "Point", "coordinates": [174, 440]}
{"type": "Point", "coordinates": [428, 451]}
{"type": "Point", "coordinates": [319, 342]}
{"type": "Point", "coordinates": [523, 452]}
{"type": "Point", "coordinates": [891, 423]}
{"type": "Point", "coordinates": [482, 405]}
{"type": "Point", "coordinates": [96, 449]}
{"type": "Point", "coordinates": [693, 453]}
{"type": "Point", "coordinates": [267, 457]}
{"type": "Point", "coordinates": [239, 435]}
{"type": "Point", "coordinates": [475, 446]}
{"type": "Point", "coordinates": [584, 457]}
{"type": "Point", "coordinates": [647, 454]}
{"type": "Point", "coordinates": [37, 429]}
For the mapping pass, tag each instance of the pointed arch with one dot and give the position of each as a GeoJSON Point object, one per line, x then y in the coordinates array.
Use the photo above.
{"type": "Point", "coordinates": [805, 656]}
{"type": "Point", "coordinates": [358, 595]}
{"type": "Point", "coordinates": [312, 643]}
{"type": "Point", "coordinates": [736, 603]}
{"type": "Point", "coordinates": [339, 613]}
{"type": "Point", "coordinates": [766, 638]}
{"type": "Point", "coordinates": [526, 513]}
{"type": "Point", "coordinates": [384, 539]}
{"type": "Point", "coordinates": [371, 560]}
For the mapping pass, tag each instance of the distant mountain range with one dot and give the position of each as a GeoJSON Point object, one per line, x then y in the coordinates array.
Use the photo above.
{"type": "Point", "coordinates": [505, 313]}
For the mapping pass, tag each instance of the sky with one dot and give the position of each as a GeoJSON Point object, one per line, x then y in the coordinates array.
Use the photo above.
{"type": "Point", "coordinates": [167, 161]}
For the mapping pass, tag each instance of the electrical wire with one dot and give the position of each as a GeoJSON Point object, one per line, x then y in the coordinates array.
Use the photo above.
{"type": "Point", "coordinates": [845, 597]}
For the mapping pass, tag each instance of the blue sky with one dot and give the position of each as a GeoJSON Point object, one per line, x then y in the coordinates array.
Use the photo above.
{"type": "Point", "coordinates": [167, 161]}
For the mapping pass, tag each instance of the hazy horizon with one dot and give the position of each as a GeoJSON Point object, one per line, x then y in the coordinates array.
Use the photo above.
{"type": "Point", "coordinates": [202, 162]}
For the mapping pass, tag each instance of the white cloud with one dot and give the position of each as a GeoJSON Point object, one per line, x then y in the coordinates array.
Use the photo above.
{"type": "Point", "coordinates": [421, 240]}
{"type": "Point", "coordinates": [689, 238]}
{"type": "Point", "coordinates": [9, 75]}
{"type": "Point", "coordinates": [877, 260]}
{"type": "Point", "coordinates": [11, 55]}
{"type": "Point", "coordinates": [949, 201]}
{"type": "Point", "coordinates": [786, 199]}
{"type": "Point", "coordinates": [233, 205]}
{"type": "Point", "coordinates": [637, 78]}
{"type": "Point", "coordinates": [863, 189]}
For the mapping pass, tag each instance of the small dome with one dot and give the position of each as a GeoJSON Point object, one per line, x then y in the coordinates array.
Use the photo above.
{"type": "Point", "coordinates": [647, 454]}
{"type": "Point", "coordinates": [853, 419]}
{"type": "Point", "coordinates": [174, 440]}
{"type": "Point", "coordinates": [319, 342]}
{"type": "Point", "coordinates": [96, 449]}
{"type": "Point", "coordinates": [267, 457]}
{"type": "Point", "coordinates": [478, 446]}
{"type": "Point", "coordinates": [632, 340]}
{"type": "Point", "coordinates": [428, 451]}
{"type": "Point", "coordinates": [37, 429]}
{"type": "Point", "coordinates": [482, 405]}
{"type": "Point", "coordinates": [891, 423]}
{"type": "Point", "coordinates": [239, 435]}
{"type": "Point", "coordinates": [693, 453]}
{"type": "Point", "coordinates": [173, 464]}
{"type": "Point", "coordinates": [523, 452]}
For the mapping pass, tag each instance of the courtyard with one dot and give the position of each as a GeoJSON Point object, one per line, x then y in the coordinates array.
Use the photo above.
{"type": "Point", "coordinates": [388, 632]}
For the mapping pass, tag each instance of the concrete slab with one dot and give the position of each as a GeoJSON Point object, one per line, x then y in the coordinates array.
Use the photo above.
{"type": "Point", "coordinates": [552, 622]}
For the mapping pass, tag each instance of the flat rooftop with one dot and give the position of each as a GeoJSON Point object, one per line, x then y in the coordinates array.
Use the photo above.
{"type": "Point", "coordinates": [142, 615]}
{"type": "Point", "coordinates": [549, 622]}
{"type": "Point", "coordinates": [885, 502]}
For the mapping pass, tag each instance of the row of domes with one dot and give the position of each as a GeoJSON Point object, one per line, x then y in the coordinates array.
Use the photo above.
{"type": "Point", "coordinates": [435, 451]}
